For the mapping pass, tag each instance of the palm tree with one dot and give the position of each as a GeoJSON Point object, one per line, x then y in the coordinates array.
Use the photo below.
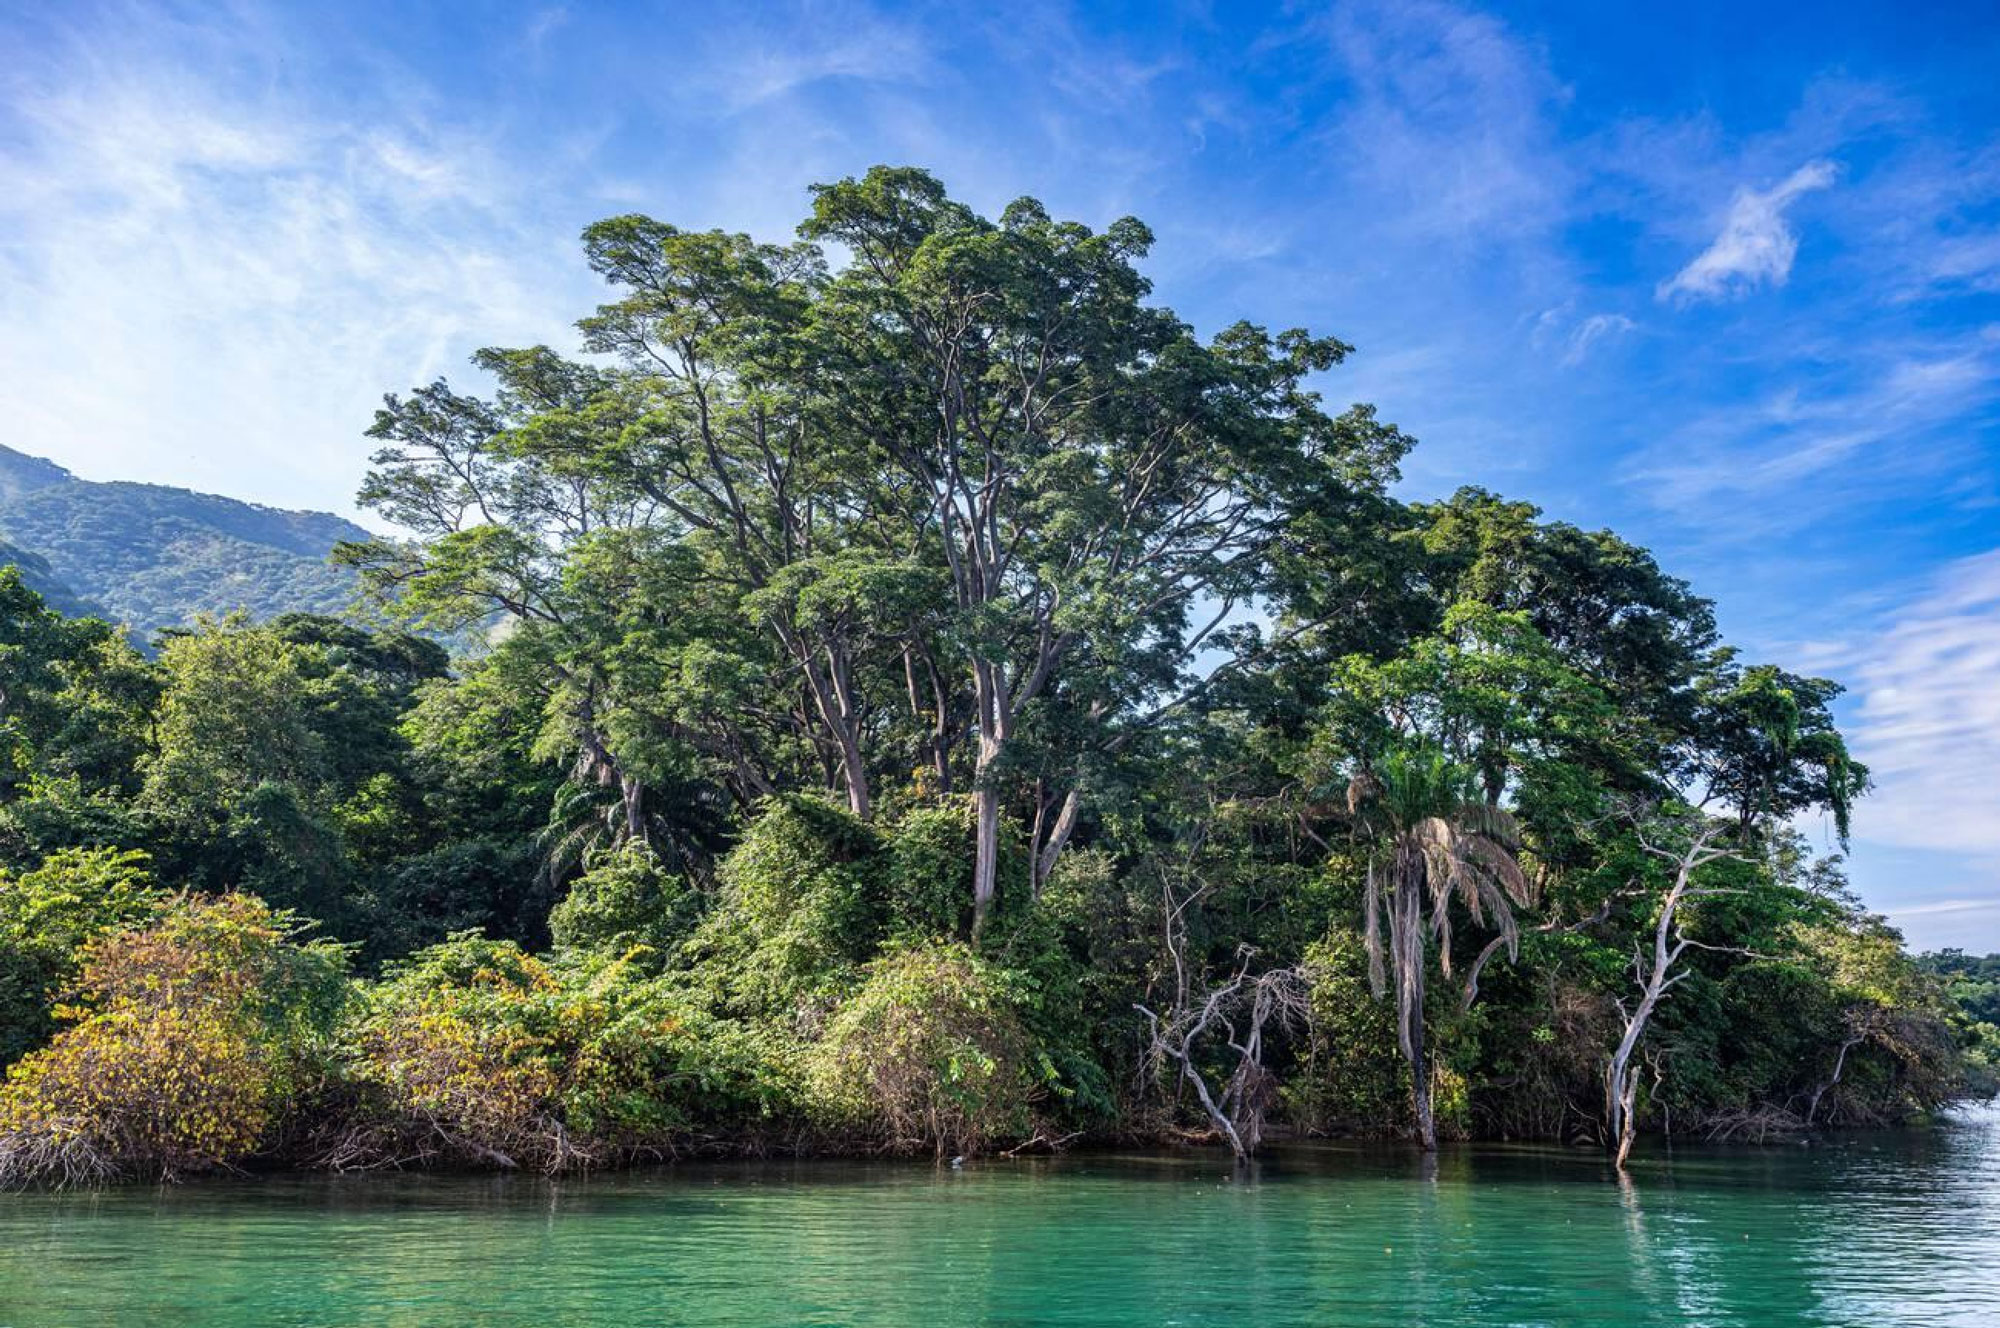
{"type": "Point", "coordinates": [1435, 842]}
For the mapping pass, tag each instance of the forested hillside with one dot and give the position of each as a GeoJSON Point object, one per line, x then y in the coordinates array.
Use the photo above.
{"type": "Point", "coordinates": [39, 577]}
{"type": "Point", "coordinates": [151, 557]}
{"type": "Point", "coordinates": [943, 703]}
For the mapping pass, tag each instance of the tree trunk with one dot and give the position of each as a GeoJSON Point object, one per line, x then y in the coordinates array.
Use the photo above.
{"type": "Point", "coordinates": [995, 722]}
{"type": "Point", "coordinates": [986, 855]}
{"type": "Point", "coordinates": [854, 773]}
{"type": "Point", "coordinates": [1420, 1085]}
{"type": "Point", "coordinates": [1621, 1082]}
{"type": "Point", "coordinates": [633, 794]}
{"type": "Point", "coordinates": [1631, 1126]}
{"type": "Point", "coordinates": [1407, 944]}
{"type": "Point", "coordinates": [1050, 851]}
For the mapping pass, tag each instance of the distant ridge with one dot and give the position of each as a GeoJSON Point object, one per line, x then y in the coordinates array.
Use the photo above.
{"type": "Point", "coordinates": [39, 577]}
{"type": "Point", "coordinates": [151, 556]}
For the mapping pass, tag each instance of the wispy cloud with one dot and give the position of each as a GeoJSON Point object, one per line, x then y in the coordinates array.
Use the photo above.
{"type": "Point", "coordinates": [1451, 117]}
{"type": "Point", "coordinates": [1575, 337]}
{"type": "Point", "coordinates": [1884, 419]}
{"type": "Point", "coordinates": [212, 280]}
{"type": "Point", "coordinates": [1757, 245]}
{"type": "Point", "coordinates": [1928, 714]}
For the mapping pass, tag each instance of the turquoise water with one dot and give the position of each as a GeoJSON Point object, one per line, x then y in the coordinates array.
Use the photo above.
{"type": "Point", "coordinates": [1864, 1230]}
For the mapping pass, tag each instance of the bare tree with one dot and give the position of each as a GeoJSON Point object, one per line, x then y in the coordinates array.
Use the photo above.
{"type": "Point", "coordinates": [1687, 848]}
{"type": "Point", "coordinates": [1236, 1011]}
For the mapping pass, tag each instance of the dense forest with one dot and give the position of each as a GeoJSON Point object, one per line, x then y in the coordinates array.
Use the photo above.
{"type": "Point", "coordinates": [930, 700]}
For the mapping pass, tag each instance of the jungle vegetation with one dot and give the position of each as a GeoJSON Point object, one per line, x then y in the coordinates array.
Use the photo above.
{"type": "Point", "coordinates": [931, 700]}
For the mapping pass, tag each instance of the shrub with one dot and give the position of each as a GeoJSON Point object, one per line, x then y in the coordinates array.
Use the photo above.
{"type": "Point", "coordinates": [46, 917]}
{"type": "Point", "coordinates": [191, 1034]}
{"type": "Point", "coordinates": [625, 902]}
{"type": "Point", "coordinates": [929, 1053]}
{"type": "Point", "coordinates": [1357, 1081]}
{"type": "Point", "coordinates": [800, 912]}
{"type": "Point", "coordinates": [475, 1051]}
{"type": "Point", "coordinates": [930, 871]}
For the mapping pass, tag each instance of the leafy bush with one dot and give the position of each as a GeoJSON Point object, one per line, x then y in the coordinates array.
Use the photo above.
{"type": "Point", "coordinates": [475, 1051]}
{"type": "Point", "coordinates": [191, 1034]}
{"type": "Point", "coordinates": [801, 910]}
{"type": "Point", "coordinates": [930, 871]}
{"type": "Point", "coordinates": [626, 902]}
{"type": "Point", "coordinates": [929, 1053]}
{"type": "Point", "coordinates": [1356, 1080]}
{"type": "Point", "coordinates": [47, 916]}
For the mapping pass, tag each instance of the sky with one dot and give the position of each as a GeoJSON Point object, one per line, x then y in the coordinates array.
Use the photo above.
{"type": "Point", "coordinates": [1724, 278]}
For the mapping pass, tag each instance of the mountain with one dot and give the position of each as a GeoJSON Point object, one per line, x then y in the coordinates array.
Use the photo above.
{"type": "Point", "coordinates": [39, 577]}
{"type": "Point", "coordinates": [150, 556]}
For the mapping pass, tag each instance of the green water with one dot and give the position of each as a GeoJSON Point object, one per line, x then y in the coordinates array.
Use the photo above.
{"type": "Point", "coordinates": [1866, 1230]}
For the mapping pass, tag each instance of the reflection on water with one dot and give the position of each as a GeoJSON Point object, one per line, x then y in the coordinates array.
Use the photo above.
{"type": "Point", "coordinates": [1899, 1229]}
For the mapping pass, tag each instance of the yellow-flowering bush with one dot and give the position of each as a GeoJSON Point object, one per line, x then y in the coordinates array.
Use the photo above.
{"type": "Point", "coordinates": [477, 1052]}
{"type": "Point", "coordinates": [187, 1037]}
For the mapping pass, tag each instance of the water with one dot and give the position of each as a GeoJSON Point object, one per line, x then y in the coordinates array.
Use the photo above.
{"type": "Point", "coordinates": [1889, 1229]}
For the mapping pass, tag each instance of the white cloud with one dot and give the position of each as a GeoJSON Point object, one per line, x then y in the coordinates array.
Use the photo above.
{"type": "Point", "coordinates": [1886, 419]}
{"type": "Point", "coordinates": [1592, 330]}
{"type": "Point", "coordinates": [1928, 715]}
{"type": "Point", "coordinates": [1451, 120]}
{"type": "Point", "coordinates": [1757, 244]}
{"type": "Point", "coordinates": [1570, 338]}
{"type": "Point", "coordinates": [210, 280]}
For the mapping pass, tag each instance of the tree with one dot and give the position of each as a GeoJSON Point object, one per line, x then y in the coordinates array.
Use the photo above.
{"type": "Point", "coordinates": [1239, 1011]}
{"type": "Point", "coordinates": [1685, 845]}
{"type": "Point", "coordinates": [1434, 843]}
{"type": "Point", "coordinates": [73, 699]}
{"type": "Point", "coordinates": [1103, 489]}
{"type": "Point", "coordinates": [970, 474]}
{"type": "Point", "coordinates": [1765, 744]}
{"type": "Point", "coordinates": [279, 763]}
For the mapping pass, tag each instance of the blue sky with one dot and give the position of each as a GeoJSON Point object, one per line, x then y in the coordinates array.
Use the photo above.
{"type": "Point", "coordinates": [1726, 279]}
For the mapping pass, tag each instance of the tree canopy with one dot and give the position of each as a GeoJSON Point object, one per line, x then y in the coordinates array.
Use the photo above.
{"type": "Point", "coordinates": [914, 690]}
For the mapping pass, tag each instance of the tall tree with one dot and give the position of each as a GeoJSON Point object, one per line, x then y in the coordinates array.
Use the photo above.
{"type": "Point", "coordinates": [1434, 845]}
{"type": "Point", "coordinates": [973, 462]}
{"type": "Point", "coordinates": [1766, 746]}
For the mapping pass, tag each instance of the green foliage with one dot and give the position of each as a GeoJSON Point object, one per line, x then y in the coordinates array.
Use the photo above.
{"type": "Point", "coordinates": [928, 1054]}
{"type": "Point", "coordinates": [1354, 1080]}
{"type": "Point", "coordinates": [190, 1036]}
{"type": "Point", "coordinates": [856, 715]}
{"type": "Point", "coordinates": [47, 917]}
{"type": "Point", "coordinates": [626, 904]}
{"type": "Point", "coordinates": [930, 871]}
{"type": "Point", "coordinates": [499, 1057]}
{"type": "Point", "coordinates": [801, 908]}
{"type": "Point", "coordinates": [487, 885]}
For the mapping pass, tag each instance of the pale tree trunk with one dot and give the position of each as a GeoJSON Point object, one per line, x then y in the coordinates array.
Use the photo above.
{"type": "Point", "coordinates": [1058, 836]}
{"type": "Point", "coordinates": [1406, 944]}
{"type": "Point", "coordinates": [1281, 996]}
{"type": "Point", "coordinates": [833, 698]}
{"type": "Point", "coordinates": [633, 794]}
{"type": "Point", "coordinates": [995, 709]}
{"type": "Point", "coordinates": [1856, 1036]}
{"type": "Point", "coordinates": [1621, 1080]}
